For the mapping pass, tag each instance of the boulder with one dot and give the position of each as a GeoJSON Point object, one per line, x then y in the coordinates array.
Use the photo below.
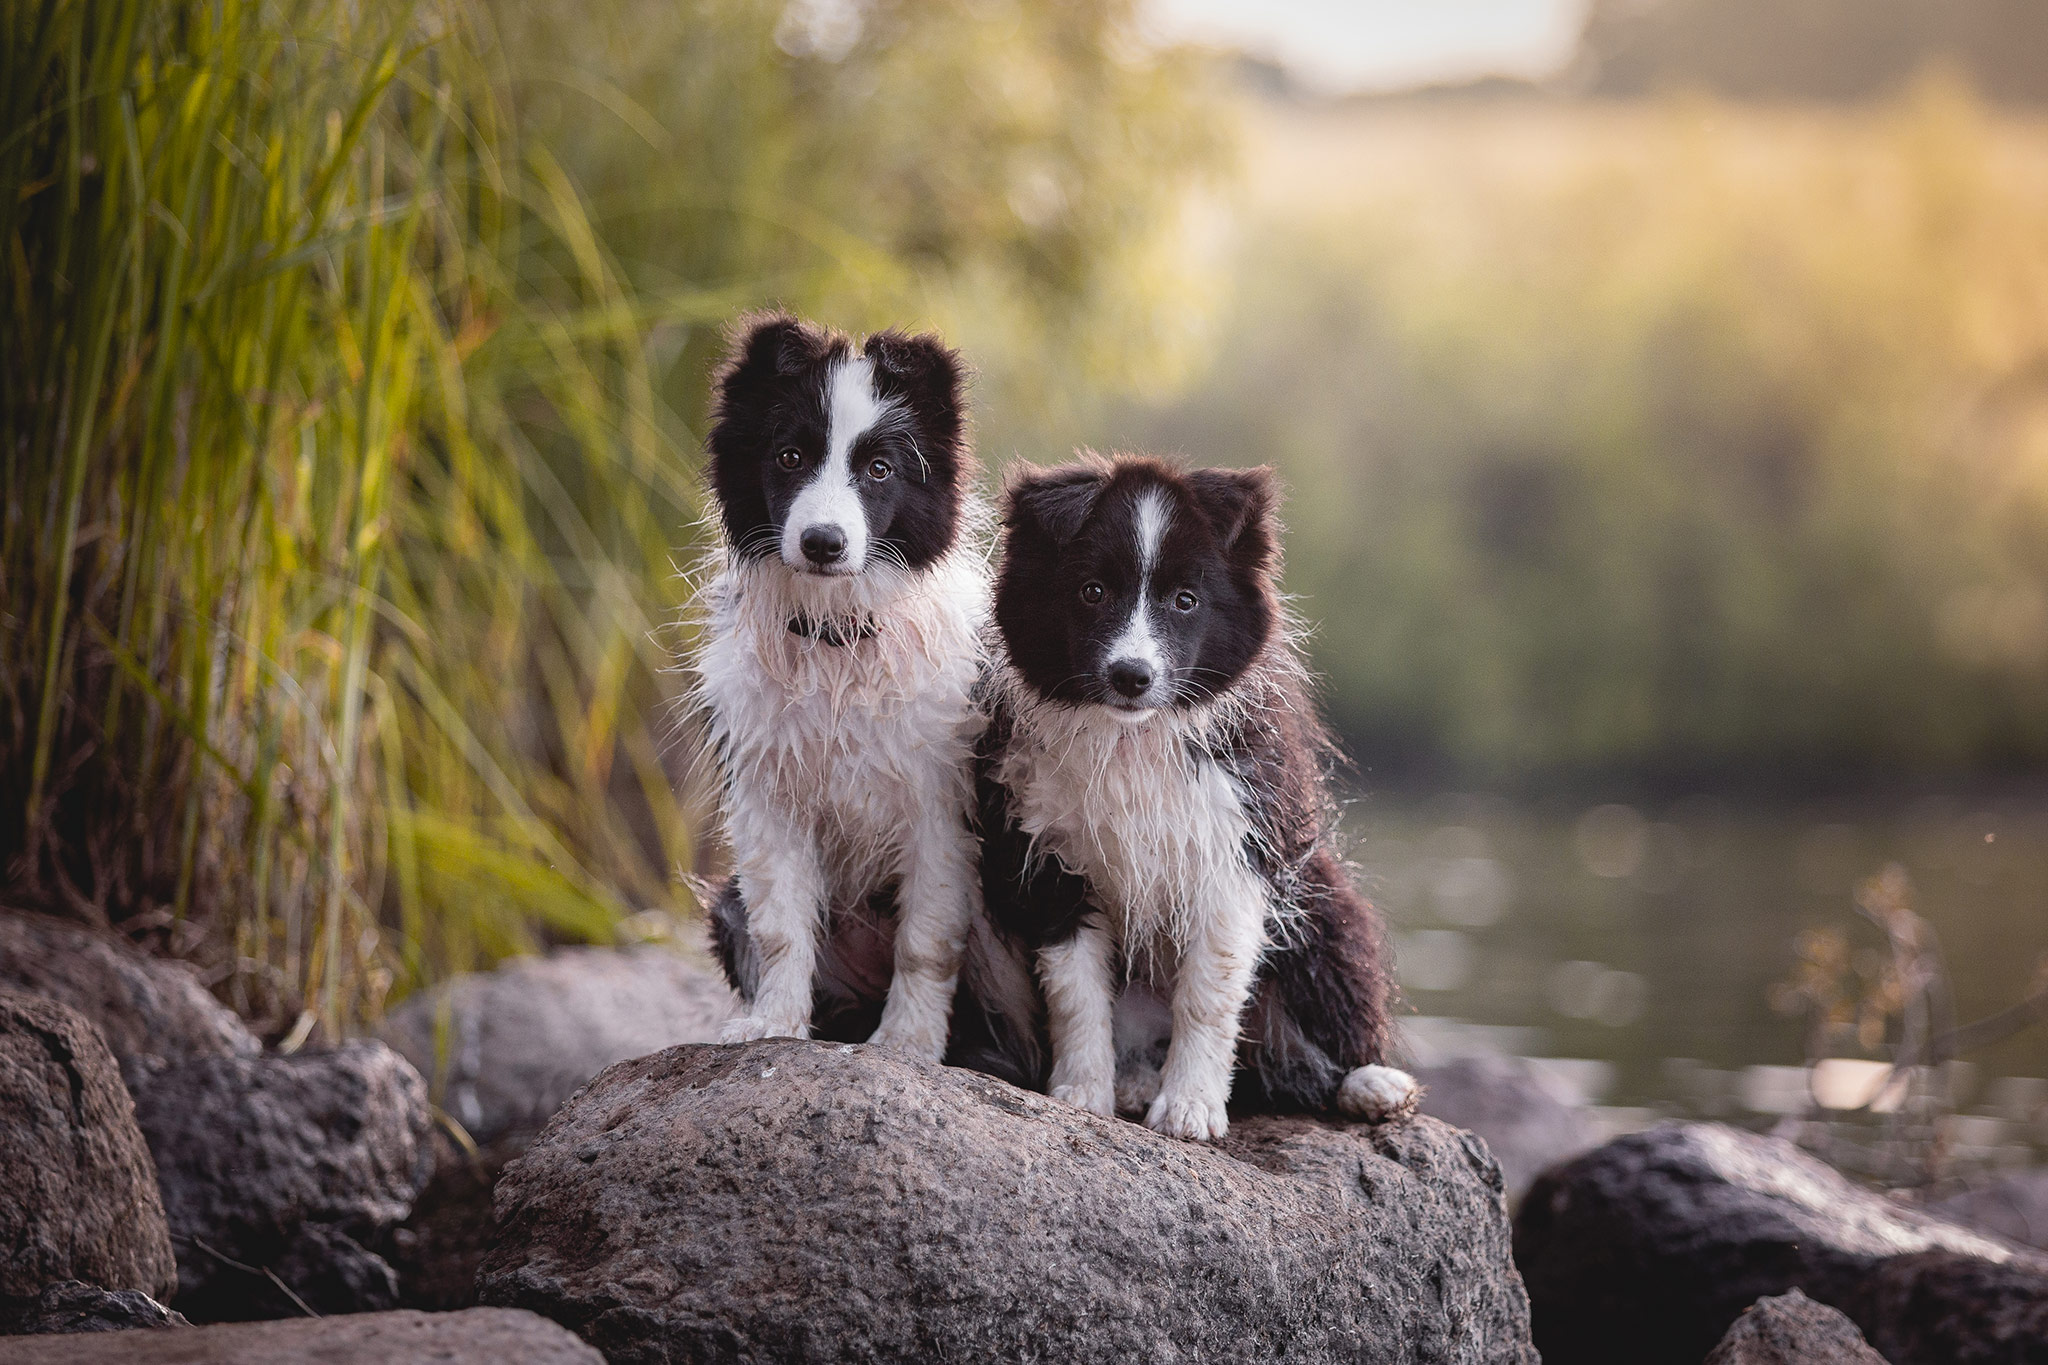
{"type": "Point", "coordinates": [481, 1336]}
{"type": "Point", "coordinates": [142, 1006]}
{"type": "Point", "coordinates": [1505, 1100]}
{"type": "Point", "coordinates": [276, 1170]}
{"type": "Point", "coordinates": [2013, 1206]}
{"type": "Point", "coordinates": [506, 1048]}
{"type": "Point", "coordinates": [1792, 1329]}
{"type": "Point", "coordinates": [1646, 1249]}
{"type": "Point", "coordinates": [74, 1306]}
{"type": "Point", "coordinates": [811, 1202]}
{"type": "Point", "coordinates": [80, 1197]}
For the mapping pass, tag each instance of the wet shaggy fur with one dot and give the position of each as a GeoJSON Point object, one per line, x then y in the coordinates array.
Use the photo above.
{"type": "Point", "coordinates": [1157, 834]}
{"type": "Point", "coordinates": [836, 666]}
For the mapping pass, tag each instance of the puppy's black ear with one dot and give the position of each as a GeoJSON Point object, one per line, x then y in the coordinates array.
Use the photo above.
{"type": "Point", "coordinates": [921, 367]}
{"type": "Point", "coordinates": [765, 346]}
{"type": "Point", "coordinates": [1055, 502]}
{"type": "Point", "coordinates": [1240, 506]}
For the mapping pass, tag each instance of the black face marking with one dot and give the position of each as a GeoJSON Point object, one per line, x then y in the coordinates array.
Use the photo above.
{"type": "Point", "coordinates": [1135, 585]}
{"type": "Point", "coordinates": [891, 495]}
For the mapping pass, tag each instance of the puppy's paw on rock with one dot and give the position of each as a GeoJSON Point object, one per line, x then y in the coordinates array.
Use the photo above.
{"type": "Point", "coordinates": [1378, 1094]}
{"type": "Point", "coordinates": [1194, 1117]}
{"type": "Point", "coordinates": [1097, 1097]}
{"type": "Point", "coordinates": [914, 1040]}
{"type": "Point", "coordinates": [752, 1028]}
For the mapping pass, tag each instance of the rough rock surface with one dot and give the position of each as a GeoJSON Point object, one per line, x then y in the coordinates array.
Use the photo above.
{"type": "Point", "coordinates": [1504, 1100]}
{"type": "Point", "coordinates": [518, 1041]}
{"type": "Point", "coordinates": [73, 1306]}
{"type": "Point", "coordinates": [807, 1202]}
{"type": "Point", "coordinates": [78, 1197]}
{"type": "Point", "coordinates": [284, 1165]}
{"type": "Point", "coordinates": [2014, 1207]}
{"type": "Point", "coordinates": [481, 1336]}
{"type": "Point", "coordinates": [142, 1006]}
{"type": "Point", "coordinates": [1792, 1329]}
{"type": "Point", "coordinates": [1646, 1249]}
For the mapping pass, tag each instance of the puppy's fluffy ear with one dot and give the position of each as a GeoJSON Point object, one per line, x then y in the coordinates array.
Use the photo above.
{"type": "Point", "coordinates": [921, 365]}
{"type": "Point", "coordinates": [1240, 506]}
{"type": "Point", "coordinates": [1055, 502]}
{"type": "Point", "coordinates": [765, 346]}
{"type": "Point", "coordinates": [926, 375]}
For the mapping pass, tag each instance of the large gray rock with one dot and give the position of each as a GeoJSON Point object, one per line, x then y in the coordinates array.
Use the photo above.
{"type": "Point", "coordinates": [809, 1202]}
{"type": "Point", "coordinates": [1792, 1329]}
{"type": "Point", "coordinates": [78, 1196]}
{"type": "Point", "coordinates": [2013, 1206]}
{"type": "Point", "coordinates": [142, 1006]}
{"type": "Point", "coordinates": [481, 1336]}
{"type": "Point", "coordinates": [1646, 1249]}
{"type": "Point", "coordinates": [278, 1169]}
{"type": "Point", "coordinates": [505, 1048]}
{"type": "Point", "coordinates": [1505, 1100]}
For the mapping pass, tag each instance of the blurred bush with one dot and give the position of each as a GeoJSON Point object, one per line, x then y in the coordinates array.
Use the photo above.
{"type": "Point", "coordinates": [1683, 438]}
{"type": "Point", "coordinates": [349, 358]}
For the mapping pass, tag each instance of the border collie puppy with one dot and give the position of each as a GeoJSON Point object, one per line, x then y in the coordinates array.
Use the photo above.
{"type": "Point", "coordinates": [837, 664]}
{"type": "Point", "coordinates": [1157, 831]}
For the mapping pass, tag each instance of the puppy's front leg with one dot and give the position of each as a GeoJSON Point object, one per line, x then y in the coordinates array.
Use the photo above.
{"type": "Point", "coordinates": [1080, 1005]}
{"type": "Point", "coordinates": [1209, 997]}
{"type": "Point", "coordinates": [940, 893]}
{"type": "Point", "coordinates": [782, 880]}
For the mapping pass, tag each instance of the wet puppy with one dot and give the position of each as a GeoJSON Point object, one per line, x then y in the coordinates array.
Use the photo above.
{"type": "Point", "coordinates": [836, 665]}
{"type": "Point", "coordinates": [1157, 831]}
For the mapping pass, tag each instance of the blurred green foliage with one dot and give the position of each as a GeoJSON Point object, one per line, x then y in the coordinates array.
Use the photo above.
{"type": "Point", "coordinates": [350, 356]}
{"type": "Point", "coordinates": [1009, 171]}
{"type": "Point", "coordinates": [1681, 438]}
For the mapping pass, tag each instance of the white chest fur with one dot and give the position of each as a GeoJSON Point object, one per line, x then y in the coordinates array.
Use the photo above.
{"type": "Point", "coordinates": [854, 743]}
{"type": "Point", "coordinates": [1158, 831]}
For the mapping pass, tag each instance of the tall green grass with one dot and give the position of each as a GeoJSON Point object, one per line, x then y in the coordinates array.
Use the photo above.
{"type": "Point", "coordinates": [337, 528]}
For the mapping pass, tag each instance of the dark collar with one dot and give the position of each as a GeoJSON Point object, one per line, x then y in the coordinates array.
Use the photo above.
{"type": "Point", "coordinates": [829, 633]}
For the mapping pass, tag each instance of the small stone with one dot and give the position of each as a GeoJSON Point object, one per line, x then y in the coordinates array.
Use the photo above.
{"type": "Point", "coordinates": [73, 1306]}
{"type": "Point", "coordinates": [479, 1336]}
{"type": "Point", "coordinates": [1792, 1329]}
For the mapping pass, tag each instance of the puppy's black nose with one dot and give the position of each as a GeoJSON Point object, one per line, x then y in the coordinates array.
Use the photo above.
{"type": "Point", "coordinates": [1131, 677]}
{"type": "Point", "coordinates": [823, 544]}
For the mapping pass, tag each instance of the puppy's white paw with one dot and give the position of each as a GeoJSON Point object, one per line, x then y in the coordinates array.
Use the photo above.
{"type": "Point", "coordinates": [752, 1028]}
{"type": "Point", "coordinates": [1195, 1117]}
{"type": "Point", "coordinates": [1136, 1088]}
{"type": "Point", "coordinates": [911, 1038]}
{"type": "Point", "coordinates": [1097, 1097]}
{"type": "Point", "coordinates": [1379, 1093]}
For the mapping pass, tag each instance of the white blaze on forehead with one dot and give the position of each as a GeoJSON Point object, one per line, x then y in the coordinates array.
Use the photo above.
{"type": "Point", "coordinates": [1137, 640]}
{"type": "Point", "coordinates": [832, 497]}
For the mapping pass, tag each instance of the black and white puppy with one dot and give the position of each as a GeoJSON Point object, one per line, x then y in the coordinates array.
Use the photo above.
{"type": "Point", "coordinates": [1157, 833]}
{"type": "Point", "coordinates": [837, 662]}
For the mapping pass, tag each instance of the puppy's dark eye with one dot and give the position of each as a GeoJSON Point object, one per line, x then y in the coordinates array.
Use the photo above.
{"type": "Point", "coordinates": [1091, 593]}
{"type": "Point", "coordinates": [1185, 600]}
{"type": "Point", "coordinates": [789, 458]}
{"type": "Point", "coordinates": [880, 469]}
